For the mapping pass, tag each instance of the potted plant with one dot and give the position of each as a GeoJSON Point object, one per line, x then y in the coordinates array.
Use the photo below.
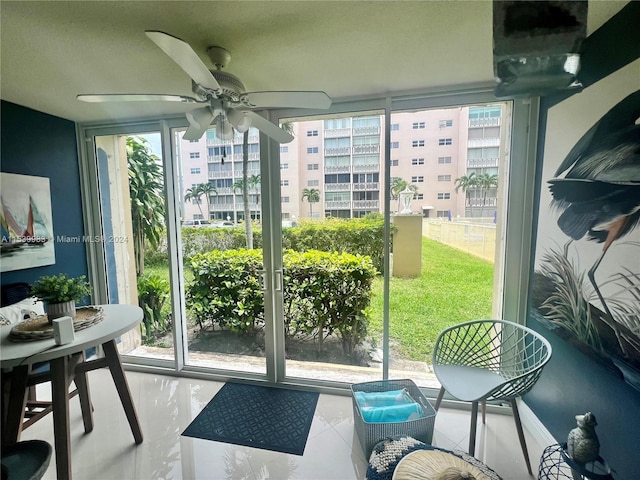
{"type": "Point", "coordinates": [60, 294]}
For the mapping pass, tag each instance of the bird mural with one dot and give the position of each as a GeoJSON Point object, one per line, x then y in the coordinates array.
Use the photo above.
{"type": "Point", "coordinates": [597, 190]}
{"type": "Point", "coordinates": [583, 445]}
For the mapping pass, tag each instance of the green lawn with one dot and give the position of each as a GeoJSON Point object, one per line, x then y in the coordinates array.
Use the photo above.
{"type": "Point", "coordinates": [453, 287]}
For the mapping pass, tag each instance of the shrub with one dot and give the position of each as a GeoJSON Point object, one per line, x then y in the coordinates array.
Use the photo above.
{"type": "Point", "coordinates": [153, 292]}
{"type": "Point", "coordinates": [226, 290]}
{"type": "Point", "coordinates": [324, 293]}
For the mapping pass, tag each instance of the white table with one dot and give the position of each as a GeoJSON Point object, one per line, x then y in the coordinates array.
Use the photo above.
{"type": "Point", "coordinates": [19, 356]}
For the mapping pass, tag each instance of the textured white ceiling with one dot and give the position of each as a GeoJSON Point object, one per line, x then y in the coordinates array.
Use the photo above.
{"type": "Point", "coordinates": [51, 51]}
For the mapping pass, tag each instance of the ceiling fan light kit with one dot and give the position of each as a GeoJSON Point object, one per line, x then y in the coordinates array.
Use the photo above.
{"type": "Point", "coordinates": [228, 105]}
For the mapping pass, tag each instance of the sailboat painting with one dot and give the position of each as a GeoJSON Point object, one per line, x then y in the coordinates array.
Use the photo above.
{"type": "Point", "coordinates": [26, 225]}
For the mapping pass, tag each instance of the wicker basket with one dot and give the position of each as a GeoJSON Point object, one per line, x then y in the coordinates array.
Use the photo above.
{"type": "Point", "coordinates": [371, 433]}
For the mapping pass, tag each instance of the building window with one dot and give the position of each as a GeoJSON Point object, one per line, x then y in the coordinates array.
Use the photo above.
{"type": "Point", "coordinates": [312, 149]}
{"type": "Point", "coordinates": [194, 155]}
{"type": "Point", "coordinates": [313, 183]}
{"type": "Point", "coordinates": [284, 199]}
{"type": "Point", "coordinates": [419, 196]}
{"type": "Point", "coordinates": [195, 171]}
{"type": "Point", "coordinates": [417, 143]}
{"type": "Point", "coordinates": [395, 126]}
{"type": "Point", "coordinates": [417, 179]}
{"type": "Point", "coordinates": [395, 163]}
{"type": "Point", "coordinates": [197, 216]}
{"type": "Point", "coordinates": [312, 133]}
{"type": "Point", "coordinates": [194, 141]}
{"type": "Point", "coordinates": [442, 213]}
{"type": "Point", "coordinates": [417, 125]}
{"type": "Point", "coordinates": [444, 196]}
{"type": "Point", "coordinates": [445, 123]}
{"type": "Point", "coordinates": [284, 166]}
{"type": "Point", "coordinates": [284, 149]}
{"type": "Point", "coordinates": [417, 161]}
{"type": "Point", "coordinates": [442, 160]}
{"type": "Point", "coordinates": [284, 183]}
{"type": "Point", "coordinates": [444, 178]}
{"type": "Point", "coordinates": [445, 141]}
{"type": "Point", "coordinates": [313, 166]}
{"type": "Point", "coordinates": [395, 144]}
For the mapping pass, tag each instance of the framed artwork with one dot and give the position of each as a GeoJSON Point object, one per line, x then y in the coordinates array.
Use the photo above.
{"type": "Point", "coordinates": [586, 285]}
{"type": "Point", "coordinates": [26, 224]}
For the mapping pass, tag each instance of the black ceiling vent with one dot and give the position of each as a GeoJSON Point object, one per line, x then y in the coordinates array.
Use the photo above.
{"type": "Point", "coordinates": [536, 46]}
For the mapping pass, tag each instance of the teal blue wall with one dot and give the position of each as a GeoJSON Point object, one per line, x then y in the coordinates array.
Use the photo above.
{"type": "Point", "coordinates": [34, 143]}
{"type": "Point", "coordinates": [573, 382]}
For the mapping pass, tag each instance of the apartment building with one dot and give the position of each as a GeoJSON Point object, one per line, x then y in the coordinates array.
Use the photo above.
{"type": "Point", "coordinates": [342, 159]}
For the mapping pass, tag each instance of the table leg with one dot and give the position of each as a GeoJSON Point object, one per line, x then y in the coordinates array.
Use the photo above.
{"type": "Point", "coordinates": [117, 372]}
{"type": "Point", "coordinates": [16, 403]}
{"type": "Point", "coordinates": [60, 400]}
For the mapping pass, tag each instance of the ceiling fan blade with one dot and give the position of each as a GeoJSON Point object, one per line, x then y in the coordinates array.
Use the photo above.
{"type": "Point", "coordinates": [182, 53]}
{"type": "Point", "coordinates": [286, 100]}
{"type": "Point", "coordinates": [268, 128]}
{"type": "Point", "coordinates": [135, 97]}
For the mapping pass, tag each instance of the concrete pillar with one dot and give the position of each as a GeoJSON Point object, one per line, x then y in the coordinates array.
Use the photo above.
{"type": "Point", "coordinates": [407, 245]}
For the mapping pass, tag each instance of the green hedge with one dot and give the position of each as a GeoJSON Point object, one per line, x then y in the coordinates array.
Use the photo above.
{"type": "Point", "coordinates": [364, 236]}
{"type": "Point", "coordinates": [153, 293]}
{"type": "Point", "coordinates": [324, 293]}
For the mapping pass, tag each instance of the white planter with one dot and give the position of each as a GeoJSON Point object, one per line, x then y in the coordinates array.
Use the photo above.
{"type": "Point", "coordinates": [57, 310]}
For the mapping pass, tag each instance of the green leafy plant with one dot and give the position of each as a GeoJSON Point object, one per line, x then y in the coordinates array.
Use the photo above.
{"type": "Point", "coordinates": [60, 288]}
{"type": "Point", "coordinates": [153, 292]}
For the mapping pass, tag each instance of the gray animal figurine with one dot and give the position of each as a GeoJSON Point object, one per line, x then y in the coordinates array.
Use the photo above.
{"type": "Point", "coordinates": [582, 444]}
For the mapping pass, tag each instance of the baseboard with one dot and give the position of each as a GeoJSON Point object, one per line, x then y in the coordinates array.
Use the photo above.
{"type": "Point", "coordinates": [531, 422]}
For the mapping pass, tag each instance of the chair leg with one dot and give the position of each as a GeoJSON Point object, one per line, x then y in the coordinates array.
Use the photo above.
{"type": "Point", "coordinates": [439, 399]}
{"type": "Point", "coordinates": [474, 425]}
{"type": "Point", "coordinates": [523, 443]}
{"type": "Point", "coordinates": [484, 412]}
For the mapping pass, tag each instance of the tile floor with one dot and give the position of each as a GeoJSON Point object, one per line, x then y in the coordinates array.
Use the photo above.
{"type": "Point", "coordinates": [166, 405]}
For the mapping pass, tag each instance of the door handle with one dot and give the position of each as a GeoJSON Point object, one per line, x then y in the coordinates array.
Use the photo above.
{"type": "Point", "coordinates": [278, 279]}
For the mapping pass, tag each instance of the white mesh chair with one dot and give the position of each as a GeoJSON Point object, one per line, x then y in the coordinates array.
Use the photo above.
{"type": "Point", "coordinates": [486, 360]}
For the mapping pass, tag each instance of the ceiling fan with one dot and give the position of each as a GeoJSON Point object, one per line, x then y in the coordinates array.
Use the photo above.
{"type": "Point", "coordinates": [225, 102]}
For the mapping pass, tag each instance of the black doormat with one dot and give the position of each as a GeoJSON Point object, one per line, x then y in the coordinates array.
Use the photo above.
{"type": "Point", "coordinates": [255, 416]}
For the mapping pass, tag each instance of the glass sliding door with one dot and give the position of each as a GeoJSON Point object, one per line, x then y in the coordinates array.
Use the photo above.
{"type": "Point", "coordinates": [133, 237]}
{"type": "Point", "coordinates": [331, 197]}
{"type": "Point", "coordinates": [218, 190]}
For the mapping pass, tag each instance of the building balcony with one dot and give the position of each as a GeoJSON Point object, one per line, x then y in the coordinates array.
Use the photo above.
{"type": "Point", "coordinates": [482, 162]}
{"type": "Point", "coordinates": [225, 191]}
{"type": "Point", "coordinates": [366, 186]}
{"type": "Point", "coordinates": [237, 157]}
{"type": "Point", "coordinates": [374, 130]}
{"type": "Point", "coordinates": [337, 168]}
{"type": "Point", "coordinates": [337, 132]}
{"type": "Point", "coordinates": [220, 174]}
{"type": "Point", "coordinates": [220, 207]}
{"type": "Point", "coordinates": [215, 142]}
{"type": "Point", "coordinates": [366, 204]}
{"type": "Point", "coordinates": [484, 122]}
{"type": "Point", "coordinates": [360, 149]}
{"type": "Point", "coordinates": [370, 168]}
{"type": "Point", "coordinates": [337, 187]}
{"type": "Point", "coordinates": [250, 172]}
{"type": "Point", "coordinates": [337, 204]}
{"type": "Point", "coordinates": [483, 142]}
{"type": "Point", "coordinates": [337, 151]}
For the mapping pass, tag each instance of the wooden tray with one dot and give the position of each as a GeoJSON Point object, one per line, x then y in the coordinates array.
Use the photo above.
{"type": "Point", "coordinates": [38, 328]}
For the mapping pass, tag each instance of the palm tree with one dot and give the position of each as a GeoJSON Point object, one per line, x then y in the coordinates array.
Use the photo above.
{"type": "Point", "coordinates": [248, 232]}
{"type": "Point", "coordinates": [194, 193]}
{"type": "Point", "coordinates": [486, 182]}
{"type": "Point", "coordinates": [254, 183]}
{"type": "Point", "coordinates": [207, 189]}
{"type": "Point", "coordinates": [467, 183]}
{"type": "Point", "coordinates": [147, 203]}
{"type": "Point", "coordinates": [313, 196]}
